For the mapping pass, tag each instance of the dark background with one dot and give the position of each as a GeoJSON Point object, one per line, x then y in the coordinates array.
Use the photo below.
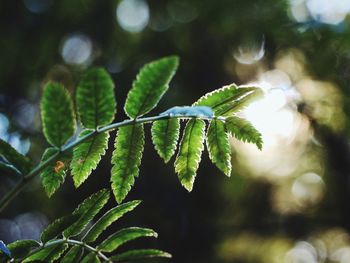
{"type": "Point", "coordinates": [263, 213]}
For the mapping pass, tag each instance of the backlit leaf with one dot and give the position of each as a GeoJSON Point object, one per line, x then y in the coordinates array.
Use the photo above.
{"type": "Point", "coordinates": [229, 99]}
{"type": "Point", "coordinates": [87, 155]}
{"type": "Point", "coordinates": [165, 134]}
{"type": "Point", "coordinates": [244, 131]}
{"type": "Point", "coordinates": [57, 114]}
{"type": "Point", "coordinates": [123, 236]}
{"type": "Point", "coordinates": [108, 218]}
{"type": "Point", "coordinates": [126, 159]}
{"type": "Point", "coordinates": [150, 85]}
{"type": "Point", "coordinates": [87, 211]}
{"type": "Point", "coordinates": [53, 174]}
{"type": "Point", "coordinates": [95, 98]}
{"type": "Point", "coordinates": [190, 151]}
{"type": "Point", "coordinates": [219, 146]}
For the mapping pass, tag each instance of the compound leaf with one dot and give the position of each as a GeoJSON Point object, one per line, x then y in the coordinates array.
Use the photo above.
{"type": "Point", "coordinates": [86, 211]}
{"type": "Point", "coordinates": [138, 254]}
{"type": "Point", "coordinates": [22, 248]}
{"type": "Point", "coordinates": [150, 85]}
{"type": "Point", "coordinates": [228, 99]}
{"type": "Point", "coordinates": [219, 146]}
{"type": "Point", "coordinates": [123, 236]}
{"type": "Point", "coordinates": [19, 161]}
{"type": "Point", "coordinates": [165, 134]}
{"type": "Point", "coordinates": [48, 254]}
{"type": "Point", "coordinates": [244, 131]}
{"type": "Point", "coordinates": [57, 114]}
{"type": "Point", "coordinates": [95, 98]}
{"type": "Point", "coordinates": [87, 155]}
{"type": "Point", "coordinates": [53, 175]}
{"type": "Point", "coordinates": [57, 227]}
{"type": "Point", "coordinates": [189, 155]}
{"type": "Point", "coordinates": [108, 218]}
{"type": "Point", "coordinates": [126, 159]}
{"type": "Point", "coordinates": [73, 255]}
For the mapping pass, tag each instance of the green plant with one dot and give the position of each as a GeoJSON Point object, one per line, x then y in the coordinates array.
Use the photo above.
{"type": "Point", "coordinates": [96, 109]}
{"type": "Point", "coordinates": [66, 234]}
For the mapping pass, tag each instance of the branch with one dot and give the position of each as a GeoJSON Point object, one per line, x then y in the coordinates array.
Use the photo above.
{"type": "Point", "coordinates": [73, 243]}
{"type": "Point", "coordinates": [26, 179]}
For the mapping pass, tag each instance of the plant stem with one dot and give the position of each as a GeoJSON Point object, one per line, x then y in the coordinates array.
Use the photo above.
{"type": "Point", "coordinates": [26, 179]}
{"type": "Point", "coordinates": [73, 243]}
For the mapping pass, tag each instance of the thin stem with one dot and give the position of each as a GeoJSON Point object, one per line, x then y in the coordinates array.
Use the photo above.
{"type": "Point", "coordinates": [73, 243]}
{"type": "Point", "coordinates": [26, 179]}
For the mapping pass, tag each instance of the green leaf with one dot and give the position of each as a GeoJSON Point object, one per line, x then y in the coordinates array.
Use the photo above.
{"type": "Point", "coordinates": [108, 218]}
{"type": "Point", "coordinates": [126, 159]}
{"type": "Point", "coordinates": [165, 134]}
{"type": "Point", "coordinates": [57, 114]}
{"type": "Point", "coordinates": [244, 131]}
{"type": "Point", "coordinates": [91, 258]}
{"type": "Point", "coordinates": [123, 236]}
{"type": "Point", "coordinates": [219, 146]}
{"type": "Point", "coordinates": [48, 254]}
{"type": "Point", "coordinates": [150, 85]}
{"type": "Point", "coordinates": [57, 227]}
{"type": "Point", "coordinates": [22, 248]}
{"type": "Point", "coordinates": [229, 99]}
{"type": "Point", "coordinates": [53, 174]}
{"type": "Point", "coordinates": [87, 155]}
{"type": "Point", "coordinates": [190, 151]}
{"type": "Point", "coordinates": [19, 161]}
{"type": "Point", "coordinates": [95, 98]}
{"type": "Point", "coordinates": [73, 255]}
{"type": "Point", "coordinates": [87, 211]}
{"type": "Point", "coordinates": [139, 254]}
